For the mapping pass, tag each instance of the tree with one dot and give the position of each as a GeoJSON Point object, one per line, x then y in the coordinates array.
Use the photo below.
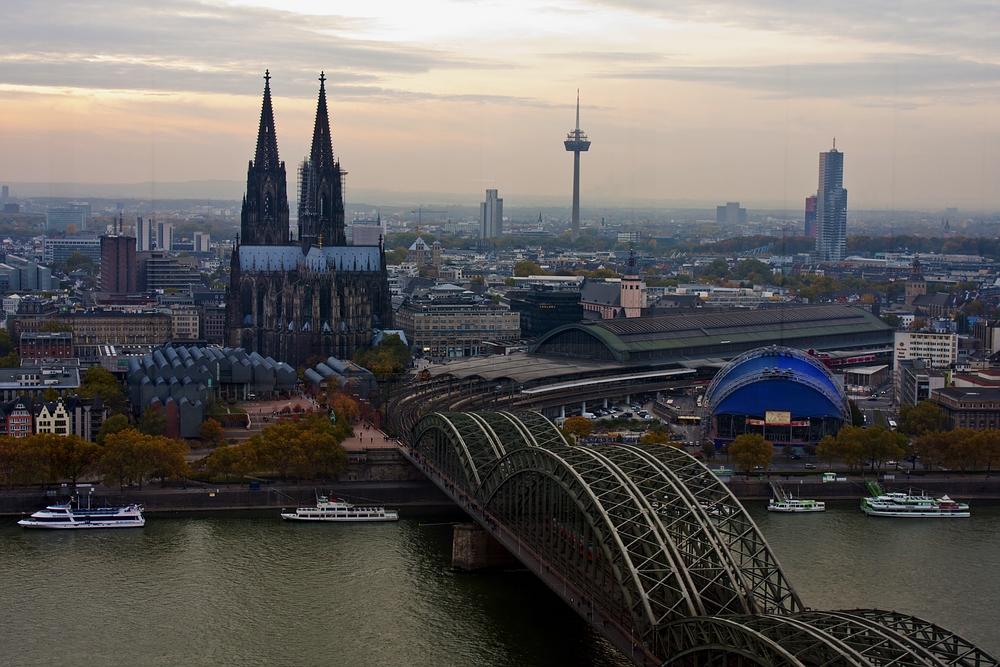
{"type": "Point", "coordinates": [131, 457]}
{"type": "Point", "coordinates": [809, 451]}
{"type": "Point", "coordinates": [656, 438]}
{"type": "Point", "coordinates": [827, 451]}
{"type": "Point", "coordinates": [751, 451]}
{"type": "Point", "coordinates": [344, 407]}
{"type": "Point", "coordinates": [223, 461]}
{"type": "Point", "coordinates": [11, 360]}
{"type": "Point", "coordinates": [892, 320]}
{"type": "Point", "coordinates": [72, 457]}
{"type": "Point", "coordinates": [50, 394]}
{"type": "Point", "coordinates": [989, 443]}
{"type": "Point", "coordinates": [6, 344]}
{"type": "Point", "coordinates": [77, 260]}
{"type": "Point", "coordinates": [23, 461]}
{"type": "Point", "coordinates": [708, 450]}
{"type": "Point", "coordinates": [112, 424]}
{"type": "Point", "coordinates": [526, 268]}
{"type": "Point", "coordinates": [881, 445]}
{"type": "Point", "coordinates": [788, 451]}
{"type": "Point", "coordinates": [857, 417]}
{"type": "Point", "coordinates": [211, 432]}
{"type": "Point", "coordinates": [931, 448]}
{"type": "Point", "coordinates": [578, 426]}
{"type": "Point", "coordinates": [152, 422]}
{"type": "Point", "coordinates": [99, 381]}
{"type": "Point", "coordinates": [922, 418]}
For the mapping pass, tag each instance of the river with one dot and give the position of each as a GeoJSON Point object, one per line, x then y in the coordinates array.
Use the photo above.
{"type": "Point", "coordinates": [250, 590]}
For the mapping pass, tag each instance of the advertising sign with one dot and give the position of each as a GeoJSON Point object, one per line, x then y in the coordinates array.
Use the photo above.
{"type": "Point", "coordinates": [778, 418]}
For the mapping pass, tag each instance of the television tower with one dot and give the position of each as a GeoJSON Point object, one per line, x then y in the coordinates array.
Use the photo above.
{"type": "Point", "coordinates": [576, 141]}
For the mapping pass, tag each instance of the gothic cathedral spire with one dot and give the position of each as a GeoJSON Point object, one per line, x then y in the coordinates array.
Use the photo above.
{"type": "Point", "coordinates": [321, 202]}
{"type": "Point", "coordinates": [264, 219]}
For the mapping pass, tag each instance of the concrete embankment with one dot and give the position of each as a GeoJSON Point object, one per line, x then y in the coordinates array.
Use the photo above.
{"type": "Point", "coordinates": [411, 497]}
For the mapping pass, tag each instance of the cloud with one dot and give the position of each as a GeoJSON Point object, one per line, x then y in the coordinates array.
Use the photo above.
{"type": "Point", "coordinates": [960, 27]}
{"type": "Point", "coordinates": [924, 77]}
{"type": "Point", "coordinates": [192, 46]}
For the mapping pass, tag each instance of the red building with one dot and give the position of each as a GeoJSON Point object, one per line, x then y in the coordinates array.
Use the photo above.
{"type": "Point", "coordinates": [119, 267]}
{"type": "Point", "coordinates": [15, 418]}
{"type": "Point", "coordinates": [46, 345]}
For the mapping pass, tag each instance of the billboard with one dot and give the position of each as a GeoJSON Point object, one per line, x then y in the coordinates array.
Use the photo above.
{"type": "Point", "coordinates": [778, 418]}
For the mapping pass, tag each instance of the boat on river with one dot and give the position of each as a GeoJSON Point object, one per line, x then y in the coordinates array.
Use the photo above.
{"type": "Point", "coordinates": [339, 511]}
{"type": "Point", "coordinates": [68, 517]}
{"type": "Point", "coordinates": [908, 504]}
{"type": "Point", "coordinates": [783, 501]}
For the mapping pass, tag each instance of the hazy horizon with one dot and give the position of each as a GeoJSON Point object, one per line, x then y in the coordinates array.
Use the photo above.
{"type": "Point", "coordinates": [720, 101]}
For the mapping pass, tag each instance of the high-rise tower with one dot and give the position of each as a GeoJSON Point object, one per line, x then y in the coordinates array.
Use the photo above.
{"type": "Point", "coordinates": [264, 218]}
{"type": "Point", "coordinates": [491, 216]}
{"type": "Point", "coordinates": [321, 195]}
{"type": "Point", "coordinates": [831, 207]}
{"type": "Point", "coordinates": [576, 142]}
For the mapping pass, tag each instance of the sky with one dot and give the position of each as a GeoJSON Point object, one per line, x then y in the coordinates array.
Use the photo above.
{"type": "Point", "coordinates": [696, 102]}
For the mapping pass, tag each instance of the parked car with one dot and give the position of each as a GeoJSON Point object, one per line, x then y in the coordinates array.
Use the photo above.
{"type": "Point", "coordinates": [810, 466]}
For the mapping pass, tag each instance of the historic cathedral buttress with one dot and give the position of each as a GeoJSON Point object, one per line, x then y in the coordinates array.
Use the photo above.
{"type": "Point", "coordinates": [296, 302]}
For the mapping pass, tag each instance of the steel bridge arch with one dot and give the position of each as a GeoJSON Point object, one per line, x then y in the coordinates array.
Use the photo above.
{"type": "Point", "coordinates": [650, 538]}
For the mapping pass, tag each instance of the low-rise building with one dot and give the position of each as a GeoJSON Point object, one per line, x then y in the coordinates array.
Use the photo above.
{"type": "Point", "coordinates": [185, 323]}
{"type": "Point", "coordinates": [46, 345]}
{"type": "Point", "coordinates": [70, 416]}
{"type": "Point", "coordinates": [915, 380]}
{"type": "Point", "coordinates": [969, 407]}
{"type": "Point", "coordinates": [93, 328]}
{"type": "Point", "coordinates": [16, 418]}
{"type": "Point", "coordinates": [447, 321]}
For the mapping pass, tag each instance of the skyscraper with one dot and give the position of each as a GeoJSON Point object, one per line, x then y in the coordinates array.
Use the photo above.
{"type": "Point", "coordinates": [163, 235]}
{"type": "Point", "coordinates": [491, 216]}
{"type": "Point", "coordinates": [145, 237]}
{"type": "Point", "coordinates": [731, 214]}
{"type": "Point", "coordinates": [576, 142]}
{"type": "Point", "coordinates": [811, 216]}
{"type": "Point", "coordinates": [119, 268]}
{"type": "Point", "coordinates": [831, 207]}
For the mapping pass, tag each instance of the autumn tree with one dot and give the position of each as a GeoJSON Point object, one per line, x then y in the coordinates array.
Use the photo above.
{"type": "Point", "coordinates": [916, 420]}
{"type": "Point", "coordinates": [211, 432]}
{"type": "Point", "coordinates": [71, 456]}
{"type": "Point", "coordinates": [99, 381]}
{"type": "Point", "coordinates": [132, 457]}
{"type": "Point", "coordinates": [151, 422]}
{"type": "Point", "coordinates": [112, 424]}
{"type": "Point", "coordinates": [578, 426]}
{"type": "Point", "coordinates": [656, 438]}
{"type": "Point", "coordinates": [750, 451]}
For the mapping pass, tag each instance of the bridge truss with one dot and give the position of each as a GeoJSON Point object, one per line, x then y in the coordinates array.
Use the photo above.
{"type": "Point", "coordinates": [649, 546]}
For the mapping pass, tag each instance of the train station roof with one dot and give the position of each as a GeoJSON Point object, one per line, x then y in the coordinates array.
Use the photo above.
{"type": "Point", "coordinates": [715, 335]}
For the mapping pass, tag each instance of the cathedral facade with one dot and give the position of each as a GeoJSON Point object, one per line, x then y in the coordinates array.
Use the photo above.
{"type": "Point", "coordinates": [315, 297]}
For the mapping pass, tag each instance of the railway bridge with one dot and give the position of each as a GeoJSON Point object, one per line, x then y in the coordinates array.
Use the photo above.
{"type": "Point", "coordinates": [651, 548]}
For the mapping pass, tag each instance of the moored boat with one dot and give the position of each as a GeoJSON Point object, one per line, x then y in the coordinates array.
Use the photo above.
{"type": "Point", "coordinates": [339, 511]}
{"type": "Point", "coordinates": [783, 501]}
{"type": "Point", "coordinates": [899, 504]}
{"type": "Point", "coordinates": [66, 517]}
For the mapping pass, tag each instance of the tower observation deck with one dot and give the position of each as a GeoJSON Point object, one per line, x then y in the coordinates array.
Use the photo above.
{"type": "Point", "coordinates": [576, 142]}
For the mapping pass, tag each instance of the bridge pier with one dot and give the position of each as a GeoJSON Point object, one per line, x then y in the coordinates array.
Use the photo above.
{"type": "Point", "coordinates": [583, 407]}
{"type": "Point", "coordinates": [473, 549]}
{"type": "Point", "coordinates": [562, 412]}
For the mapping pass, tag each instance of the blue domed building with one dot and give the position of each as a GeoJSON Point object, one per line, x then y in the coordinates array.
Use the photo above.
{"type": "Point", "coordinates": [778, 392]}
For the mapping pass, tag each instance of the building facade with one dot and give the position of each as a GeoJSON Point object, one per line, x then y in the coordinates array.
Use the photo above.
{"type": "Point", "coordinates": [93, 328]}
{"type": "Point", "coordinates": [915, 380]}
{"type": "Point", "coordinates": [119, 268]}
{"type": "Point", "coordinates": [939, 350]}
{"type": "Point", "coordinates": [810, 229]}
{"type": "Point", "coordinates": [975, 408]}
{"type": "Point", "coordinates": [57, 251]}
{"type": "Point", "coordinates": [46, 345]}
{"type": "Point", "coordinates": [831, 208]}
{"type": "Point", "coordinates": [456, 327]}
{"type": "Point", "coordinates": [318, 297]}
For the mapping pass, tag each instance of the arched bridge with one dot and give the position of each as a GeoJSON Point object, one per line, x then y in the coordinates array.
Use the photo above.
{"type": "Point", "coordinates": [650, 547]}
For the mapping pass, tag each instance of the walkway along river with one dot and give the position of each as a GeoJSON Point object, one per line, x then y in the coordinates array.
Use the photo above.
{"type": "Point", "coordinates": [241, 590]}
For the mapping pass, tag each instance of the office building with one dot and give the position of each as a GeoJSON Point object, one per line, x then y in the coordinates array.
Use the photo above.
{"type": "Point", "coordinates": [964, 407]}
{"type": "Point", "coordinates": [831, 208]}
{"type": "Point", "coordinates": [145, 235]}
{"type": "Point", "coordinates": [939, 350]}
{"type": "Point", "coordinates": [57, 251]}
{"type": "Point", "coordinates": [491, 216]}
{"type": "Point", "coordinates": [447, 321]}
{"type": "Point", "coordinates": [46, 345]}
{"type": "Point", "coordinates": [23, 274]}
{"type": "Point", "coordinates": [63, 219]}
{"type": "Point", "coordinates": [163, 235]}
{"type": "Point", "coordinates": [185, 323]}
{"type": "Point", "coordinates": [4, 194]}
{"type": "Point", "coordinates": [213, 323]}
{"type": "Point", "coordinates": [201, 241]}
{"type": "Point", "coordinates": [914, 381]}
{"type": "Point", "coordinates": [811, 216]}
{"type": "Point", "coordinates": [118, 264]}
{"type": "Point", "coordinates": [543, 308]}
{"type": "Point", "coordinates": [731, 214]}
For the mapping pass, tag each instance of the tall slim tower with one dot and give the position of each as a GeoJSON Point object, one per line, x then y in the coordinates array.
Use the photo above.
{"type": "Point", "coordinates": [491, 216]}
{"type": "Point", "coordinates": [576, 142]}
{"type": "Point", "coordinates": [264, 216]}
{"type": "Point", "coordinates": [831, 207]}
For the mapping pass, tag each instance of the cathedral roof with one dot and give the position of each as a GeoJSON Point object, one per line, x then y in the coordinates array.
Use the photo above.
{"type": "Point", "coordinates": [318, 260]}
{"type": "Point", "coordinates": [267, 144]}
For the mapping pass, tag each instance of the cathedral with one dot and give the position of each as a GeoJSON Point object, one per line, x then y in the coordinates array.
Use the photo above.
{"type": "Point", "coordinates": [314, 298]}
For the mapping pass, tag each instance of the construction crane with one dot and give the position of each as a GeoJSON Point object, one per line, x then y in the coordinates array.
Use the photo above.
{"type": "Point", "coordinates": [420, 216]}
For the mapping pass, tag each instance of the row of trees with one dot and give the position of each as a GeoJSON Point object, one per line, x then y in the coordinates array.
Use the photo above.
{"type": "Point", "coordinates": [303, 449]}
{"type": "Point", "coordinates": [962, 449]}
{"type": "Point", "coordinates": [125, 457]}
{"type": "Point", "coordinates": [856, 446]}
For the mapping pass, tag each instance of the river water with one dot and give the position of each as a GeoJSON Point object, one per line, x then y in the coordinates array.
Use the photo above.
{"type": "Point", "coordinates": [250, 590]}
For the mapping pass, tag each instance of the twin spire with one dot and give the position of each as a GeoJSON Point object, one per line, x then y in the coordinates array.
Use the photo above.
{"type": "Point", "coordinates": [321, 153]}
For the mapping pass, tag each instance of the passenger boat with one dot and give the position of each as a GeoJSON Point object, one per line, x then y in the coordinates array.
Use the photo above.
{"type": "Point", "coordinates": [784, 502]}
{"type": "Point", "coordinates": [67, 517]}
{"type": "Point", "coordinates": [339, 510]}
{"type": "Point", "coordinates": [907, 504]}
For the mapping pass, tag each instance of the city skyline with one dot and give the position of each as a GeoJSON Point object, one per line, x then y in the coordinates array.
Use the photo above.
{"type": "Point", "coordinates": [480, 100]}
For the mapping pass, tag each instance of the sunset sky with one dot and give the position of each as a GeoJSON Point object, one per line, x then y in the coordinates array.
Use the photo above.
{"type": "Point", "coordinates": [696, 102]}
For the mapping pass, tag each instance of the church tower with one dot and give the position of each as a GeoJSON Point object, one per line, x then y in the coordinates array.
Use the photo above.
{"type": "Point", "coordinates": [321, 200]}
{"type": "Point", "coordinates": [632, 290]}
{"type": "Point", "coordinates": [915, 284]}
{"type": "Point", "coordinates": [264, 219]}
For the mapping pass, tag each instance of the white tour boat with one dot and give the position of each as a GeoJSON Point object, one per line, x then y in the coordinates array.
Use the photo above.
{"type": "Point", "coordinates": [784, 502]}
{"type": "Point", "coordinates": [897, 503]}
{"type": "Point", "coordinates": [68, 517]}
{"type": "Point", "coordinates": [339, 510]}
